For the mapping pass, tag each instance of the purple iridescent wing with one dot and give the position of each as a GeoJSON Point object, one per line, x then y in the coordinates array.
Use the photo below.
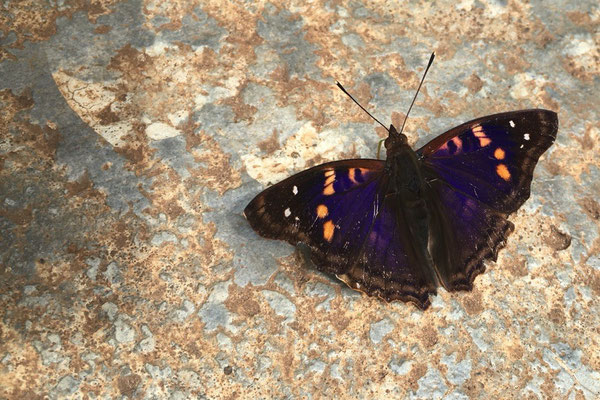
{"type": "Point", "coordinates": [387, 264]}
{"type": "Point", "coordinates": [329, 207]}
{"type": "Point", "coordinates": [479, 173]}
{"type": "Point", "coordinates": [340, 211]}
{"type": "Point", "coordinates": [491, 159]}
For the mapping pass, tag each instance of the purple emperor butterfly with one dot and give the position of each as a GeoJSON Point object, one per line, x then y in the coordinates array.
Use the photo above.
{"type": "Point", "coordinates": [400, 228]}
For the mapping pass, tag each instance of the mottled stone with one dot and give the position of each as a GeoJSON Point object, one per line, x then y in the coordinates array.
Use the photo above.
{"type": "Point", "coordinates": [380, 329]}
{"type": "Point", "coordinates": [280, 304]}
{"type": "Point", "coordinates": [431, 385]}
{"type": "Point", "coordinates": [457, 372]}
{"type": "Point", "coordinates": [400, 367]}
{"type": "Point", "coordinates": [134, 133]}
{"type": "Point", "coordinates": [148, 344]}
{"type": "Point", "coordinates": [66, 386]}
{"type": "Point", "coordinates": [124, 332]}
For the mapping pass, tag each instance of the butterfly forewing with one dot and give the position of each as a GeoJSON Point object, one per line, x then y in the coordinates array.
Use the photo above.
{"type": "Point", "coordinates": [329, 207]}
{"type": "Point", "coordinates": [492, 158]}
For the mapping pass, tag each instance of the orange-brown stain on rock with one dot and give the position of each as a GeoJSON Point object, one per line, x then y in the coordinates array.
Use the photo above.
{"type": "Point", "coordinates": [473, 83]}
{"type": "Point", "coordinates": [102, 29]}
{"type": "Point", "coordinates": [82, 184]}
{"type": "Point", "coordinates": [593, 281]}
{"type": "Point", "coordinates": [241, 110]}
{"type": "Point", "coordinates": [107, 116]}
{"type": "Point", "coordinates": [18, 216]}
{"type": "Point", "coordinates": [417, 371]}
{"type": "Point", "coordinates": [557, 314]}
{"type": "Point", "coordinates": [428, 336]}
{"type": "Point", "coordinates": [591, 207]}
{"type": "Point", "coordinates": [218, 174]}
{"type": "Point", "coordinates": [472, 302]}
{"type": "Point", "coordinates": [517, 265]}
{"type": "Point", "coordinates": [241, 301]}
{"type": "Point", "coordinates": [130, 59]}
{"type": "Point", "coordinates": [128, 384]}
{"type": "Point", "coordinates": [514, 62]}
{"type": "Point", "coordinates": [557, 240]}
{"type": "Point", "coordinates": [270, 144]}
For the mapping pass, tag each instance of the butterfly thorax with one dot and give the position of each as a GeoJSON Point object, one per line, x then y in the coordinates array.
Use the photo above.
{"type": "Point", "coordinates": [403, 168]}
{"type": "Point", "coordinates": [406, 189]}
{"type": "Point", "coordinates": [405, 178]}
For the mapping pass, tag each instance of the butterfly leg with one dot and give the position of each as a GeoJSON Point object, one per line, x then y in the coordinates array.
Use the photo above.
{"type": "Point", "coordinates": [379, 147]}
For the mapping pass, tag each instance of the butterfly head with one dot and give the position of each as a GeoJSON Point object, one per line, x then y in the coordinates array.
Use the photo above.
{"type": "Point", "coordinates": [395, 140]}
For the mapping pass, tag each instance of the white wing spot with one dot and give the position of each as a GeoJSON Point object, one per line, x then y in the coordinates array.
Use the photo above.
{"type": "Point", "coordinates": [295, 190]}
{"type": "Point", "coordinates": [287, 212]}
{"type": "Point", "coordinates": [526, 136]}
{"type": "Point", "coordinates": [512, 124]}
{"type": "Point", "coordinates": [296, 219]}
{"type": "Point", "coordinates": [521, 146]}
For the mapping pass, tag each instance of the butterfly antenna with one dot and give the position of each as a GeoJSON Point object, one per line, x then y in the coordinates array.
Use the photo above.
{"type": "Point", "coordinates": [368, 113]}
{"type": "Point", "coordinates": [419, 88]}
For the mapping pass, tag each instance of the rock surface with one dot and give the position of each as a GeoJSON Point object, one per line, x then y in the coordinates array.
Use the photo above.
{"type": "Point", "coordinates": [132, 135]}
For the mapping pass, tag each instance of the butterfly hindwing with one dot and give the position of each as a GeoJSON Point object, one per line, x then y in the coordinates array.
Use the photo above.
{"type": "Point", "coordinates": [388, 265]}
{"type": "Point", "coordinates": [464, 233]}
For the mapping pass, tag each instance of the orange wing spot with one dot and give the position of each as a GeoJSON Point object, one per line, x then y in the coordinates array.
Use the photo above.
{"type": "Point", "coordinates": [499, 154]}
{"type": "Point", "coordinates": [352, 175]}
{"type": "Point", "coordinates": [480, 134]}
{"type": "Point", "coordinates": [502, 172]}
{"type": "Point", "coordinates": [328, 229]}
{"type": "Point", "coordinates": [329, 180]}
{"type": "Point", "coordinates": [328, 185]}
{"type": "Point", "coordinates": [322, 211]}
{"type": "Point", "coordinates": [457, 142]}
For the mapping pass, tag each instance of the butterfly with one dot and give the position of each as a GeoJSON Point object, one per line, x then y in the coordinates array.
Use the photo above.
{"type": "Point", "coordinates": [400, 228]}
